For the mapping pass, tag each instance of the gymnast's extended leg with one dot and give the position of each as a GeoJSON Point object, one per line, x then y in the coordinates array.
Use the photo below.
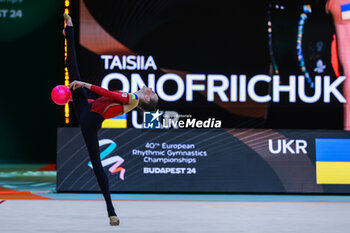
{"type": "Point", "coordinates": [79, 95]}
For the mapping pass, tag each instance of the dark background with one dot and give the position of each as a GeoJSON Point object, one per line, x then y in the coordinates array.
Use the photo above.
{"type": "Point", "coordinates": [31, 65]}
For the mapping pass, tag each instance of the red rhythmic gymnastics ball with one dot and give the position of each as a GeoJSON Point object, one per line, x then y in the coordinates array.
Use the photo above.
{"type": "Point", "coordinates": [60, 95]}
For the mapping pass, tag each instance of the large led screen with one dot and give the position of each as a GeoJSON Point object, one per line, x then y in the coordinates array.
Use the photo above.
{"type": "Point", "coordinates": [263, 64]}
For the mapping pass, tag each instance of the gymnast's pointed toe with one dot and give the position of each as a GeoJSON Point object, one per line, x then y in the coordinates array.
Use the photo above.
{"type": "Point", "coordinates": [114, 221]}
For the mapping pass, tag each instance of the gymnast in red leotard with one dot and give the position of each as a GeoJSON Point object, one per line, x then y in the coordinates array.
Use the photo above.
{"type": "Point", "coordinates": [92, 114]}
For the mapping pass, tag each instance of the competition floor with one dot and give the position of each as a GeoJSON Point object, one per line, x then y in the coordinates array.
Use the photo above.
{"type": "Point", "coordinates": [29, 203]}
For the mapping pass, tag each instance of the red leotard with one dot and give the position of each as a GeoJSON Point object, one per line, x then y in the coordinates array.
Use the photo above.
{"type": "Point", "coordinates": [110, 104]}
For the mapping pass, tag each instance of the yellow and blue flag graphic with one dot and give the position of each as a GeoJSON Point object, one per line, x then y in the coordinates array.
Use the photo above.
{"type": "Point", "coordinates": [115, 122]}
{"type": "Point", "coordinates": [332, 160]}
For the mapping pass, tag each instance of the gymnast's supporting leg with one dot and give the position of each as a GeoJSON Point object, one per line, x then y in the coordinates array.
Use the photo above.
{"type": "Point", "coordinates": [89, 130]}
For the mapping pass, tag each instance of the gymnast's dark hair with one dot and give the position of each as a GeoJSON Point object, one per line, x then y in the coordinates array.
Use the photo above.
{"type": "Point", "coordinates": [150, 106]}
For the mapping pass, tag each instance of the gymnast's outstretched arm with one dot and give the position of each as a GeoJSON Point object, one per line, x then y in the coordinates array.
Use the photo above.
{"type": "Point", "coordinates": [129, 99]}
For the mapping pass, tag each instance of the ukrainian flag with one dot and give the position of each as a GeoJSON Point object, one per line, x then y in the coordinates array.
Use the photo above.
{"type": "Point", "coordinates": [332, 160]}
{"type": "Point", "coordinates": [115, 122]}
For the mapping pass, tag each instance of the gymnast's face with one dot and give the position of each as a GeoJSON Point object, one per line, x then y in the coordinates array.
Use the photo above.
{"type": "Point", "coordinates": [149, 93]}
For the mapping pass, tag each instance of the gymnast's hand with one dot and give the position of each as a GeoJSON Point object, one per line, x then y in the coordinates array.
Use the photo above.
{"type": "Point", "coordinates": [76, 84]}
